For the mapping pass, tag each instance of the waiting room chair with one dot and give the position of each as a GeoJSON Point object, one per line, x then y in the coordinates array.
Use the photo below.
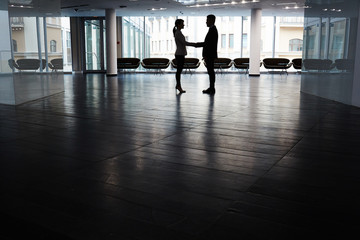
{"type": "Point", "coordinates": [221, 63]}
{"type": "Point", "coordinates": [277, 63]}
{"type": "Point", "coordinates": [189, 63]}
{"type": "Point", "coordinates": [128, 63]}
{"type": "Point", "coordinates": [12, 64]}
{"type": "Point", "coordinates": [242, 63]}
{"type": "Point", "coordinates": [297, 63]}
{"type": "Point", "coordinates": [318, 64]}
{"type": "Point", "coordinates": [155, 63]}
{"type": "Point", "coordinates": [56, 64]}
{"type": "Point", "coordinates": [28, 64]}
{"type": "Point", "coordinates": [345, 65]}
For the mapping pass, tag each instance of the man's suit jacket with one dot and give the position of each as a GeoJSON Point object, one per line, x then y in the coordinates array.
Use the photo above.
{"type": "Point", "coordinates": [210, 43]}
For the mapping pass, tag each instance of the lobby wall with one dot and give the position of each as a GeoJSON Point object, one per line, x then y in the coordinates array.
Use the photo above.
{"type": "Point", "coordinates": [331, 33]}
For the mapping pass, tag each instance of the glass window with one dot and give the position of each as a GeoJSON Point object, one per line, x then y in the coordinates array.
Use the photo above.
{"type": "Point", "coordinates": [295, 45]}
{"type": "Point", "coordinates": [14, 45]}
{"type": "Point", "coordinates": [267, 37]}
{"type": "Point", "coordinates": [289, 33]}
{"type": "Point", "coordinates": [28, 48]}
{"type": "Point", "coordinates": [133, 38]}
{"type": "Point", "coordinates": [337, 39]}
{"type": "Point", "coordinates": [245, 51]}
{"type": "Point", "coordinates": [25, 31]}
{"type": "Point", "coordinates": [231, 40]}
{"type": "Point", "coordinates": [92, 44]}
{"type": "Point", "coordinates": [245, 40]}
{"type": "Point", "coordinates": [68, 39]}
{"type": "Point", "coordinates": [67, 51]}
{"type": "Point", "coordinates": [52, 46]}
{"type": "Point", "coordinates": [223, 40]}
{"type": "Point", "coordinates": [59, 40]}
{"type": "Point", "coordinates": [312, 33]}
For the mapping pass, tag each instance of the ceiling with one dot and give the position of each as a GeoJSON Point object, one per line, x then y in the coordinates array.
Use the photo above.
{"type": "Point", "coordinates": [155, 7]}
{"type": "Point", "coordinates": [174, 7]}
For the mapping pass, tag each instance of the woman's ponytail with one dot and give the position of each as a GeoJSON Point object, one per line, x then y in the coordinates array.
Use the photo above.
{"type": "Point", "coordinates": [174, 30]}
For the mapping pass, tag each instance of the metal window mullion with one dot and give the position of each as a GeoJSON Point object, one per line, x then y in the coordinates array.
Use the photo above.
{"type": "Point", "coordinates": [128, 40]}
{"type": "Point", "coordinates": [144, 36]}
{"type": "Point", "coordinates": [242, 36]}
{"type": "Point", "coordinates": [38, 41]}
{"type": "Point", "coordinates": [327, 38]}
{"type": "Point", "coordinates": [101, 47]}
{"type": "Point", "coordinates": [45, 44]}
{"type": "Point", "coordinates": [319, 38]}
{"type": "Point", "coordinates": [123, 26]}
{"type": "Point", "coordinates": [138, 42]}
{"type": "Point", "coordinates": [274, 37]}
{"type": "Point", "coordinates": [347, 37]}
{"type": "Point", "coordinates": [11, 40]}
{"type": "Point", "coordinates": [82, 45]}
{"type": "Point", "coordinates": [134, 39]}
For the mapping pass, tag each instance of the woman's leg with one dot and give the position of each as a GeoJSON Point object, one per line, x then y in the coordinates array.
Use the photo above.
{"type": "Point", "coordinates": [180, 66]}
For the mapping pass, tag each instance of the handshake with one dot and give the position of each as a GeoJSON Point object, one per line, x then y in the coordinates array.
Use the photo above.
{"type": "Point", "coordinates": [198, 44]}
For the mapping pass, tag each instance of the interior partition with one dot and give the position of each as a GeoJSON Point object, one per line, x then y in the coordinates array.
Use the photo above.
{"type": "Point", "coordinates": [330, 41]}
{"type": "Point", "coordinates": [31, 54]}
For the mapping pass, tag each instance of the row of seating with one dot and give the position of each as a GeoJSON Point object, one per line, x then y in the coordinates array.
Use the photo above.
{"type": "Point", "coordinates": [344, 65]}
{"type": "Point", "coordinates": [34, 64]}
{"type": "Point", "coordinates": [240, 63]}
{"type": "Point", "coordinates": [193, 63]}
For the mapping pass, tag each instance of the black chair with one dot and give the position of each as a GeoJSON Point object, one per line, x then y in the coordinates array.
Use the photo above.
{"type": "Point", "coordinates": [277, 63]}
{"type": "Point", "coordinates": [12, 64]}
{"type": "Point", "coordinates": [345, 65]}
{"type": "Point", "coordinates": [189, 63]}
{"type": "Point", "coordinates": [155, 63]}
{"type": "Point", "coordinates": [297, 63]}
{"type": "Point", "coordinates": [221, 63]}
{"type": "Point", "coordinates": [56, 64]}
{"type": "Point", "coordinates": [28, 64]}
{"type": "Point", "coordinates": [242, 63]}
{"type": "Point", "coordinates": [318, 64]}
{"type": "Point", "coordinates": [128, 63]}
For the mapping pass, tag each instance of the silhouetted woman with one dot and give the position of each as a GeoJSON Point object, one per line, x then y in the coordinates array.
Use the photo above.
{"type": "Point", "coordinates": [180, 52]}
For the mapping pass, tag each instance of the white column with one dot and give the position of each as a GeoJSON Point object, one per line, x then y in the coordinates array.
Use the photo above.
{"type": "Point", "coordinates": [255, 42]}
{"type": "Point", "coordinates": [111, 48]}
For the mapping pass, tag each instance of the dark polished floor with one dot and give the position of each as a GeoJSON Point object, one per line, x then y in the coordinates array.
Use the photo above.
{"type": "Point", "coordinates": [127, 158]}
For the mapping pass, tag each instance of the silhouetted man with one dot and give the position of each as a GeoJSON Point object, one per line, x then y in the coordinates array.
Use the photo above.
{"type": "Point", "coordinates": [210, 51]}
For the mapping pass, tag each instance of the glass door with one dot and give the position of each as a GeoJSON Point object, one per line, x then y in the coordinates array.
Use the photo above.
{"type": "Point", "coordinates": [94, 30]}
